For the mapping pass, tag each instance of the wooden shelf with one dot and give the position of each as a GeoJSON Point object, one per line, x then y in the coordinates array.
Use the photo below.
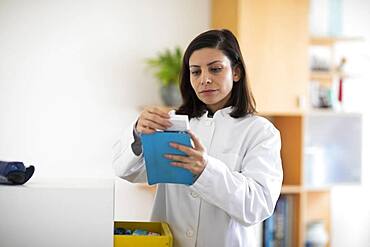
{"type": "Point", "coordinates": [269, 114]}
{"type": "Point", "coordinates": [291, 189]}
{"type": "Point", "coordinates": [326, 75]}
{"type": "Point", "coordinates": [330, 41]}
{"type": "Point", "coordinates": [316, 189]}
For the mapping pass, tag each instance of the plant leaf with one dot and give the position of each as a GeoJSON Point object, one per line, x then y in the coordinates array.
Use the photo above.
{"type": "Point", "coordinates": [167, 66]}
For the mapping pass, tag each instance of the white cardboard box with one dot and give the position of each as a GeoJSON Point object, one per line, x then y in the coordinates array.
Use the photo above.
{"type": "Point", "coordinates": [57, 212]}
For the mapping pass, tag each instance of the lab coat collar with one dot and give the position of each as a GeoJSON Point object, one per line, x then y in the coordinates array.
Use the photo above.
{"type": "Point", "coordinates": [224, 112]}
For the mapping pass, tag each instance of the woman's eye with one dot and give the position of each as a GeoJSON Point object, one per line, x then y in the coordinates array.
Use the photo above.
{"type": "Point", "coordinates": [216, 69]}
{"type": "Point", "coordinates": [195, 72]}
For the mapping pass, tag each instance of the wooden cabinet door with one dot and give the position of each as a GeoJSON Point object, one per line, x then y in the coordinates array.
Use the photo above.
{"type": "Point", "coordinates": [274, 38]}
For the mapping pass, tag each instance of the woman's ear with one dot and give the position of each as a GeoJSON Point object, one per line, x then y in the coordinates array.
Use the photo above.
{"type": "Point", "coordinates": [236, 73]}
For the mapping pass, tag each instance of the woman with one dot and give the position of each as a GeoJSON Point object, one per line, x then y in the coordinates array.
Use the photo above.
{"type": "Point", "coordinates": [235, 158]}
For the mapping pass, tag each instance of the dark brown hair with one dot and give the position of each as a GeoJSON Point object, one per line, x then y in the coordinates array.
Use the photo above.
{"type": "Point", "coordinates": [241, 98]}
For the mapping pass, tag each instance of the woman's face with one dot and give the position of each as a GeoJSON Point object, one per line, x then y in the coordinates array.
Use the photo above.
{"type": "Point", "coordinates": [212, 77]}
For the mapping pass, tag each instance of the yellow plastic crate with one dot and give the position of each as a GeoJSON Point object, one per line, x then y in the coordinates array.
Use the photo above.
{"type": "Point", "coordinates": [165, 240]}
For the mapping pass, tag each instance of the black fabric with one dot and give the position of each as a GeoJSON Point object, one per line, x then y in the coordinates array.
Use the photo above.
{"type": "Point", "coordinates": [210, 114]}
{"type": "Point", "coordinates": [15, 173]}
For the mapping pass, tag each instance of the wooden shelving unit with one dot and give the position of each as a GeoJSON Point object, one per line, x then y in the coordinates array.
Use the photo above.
{"type": "Point", "coordinates": [327, 76]}
{"type": "Point", "coordinates": [310, 203]}
{"type": "Point", "coordinates": [276, 45]}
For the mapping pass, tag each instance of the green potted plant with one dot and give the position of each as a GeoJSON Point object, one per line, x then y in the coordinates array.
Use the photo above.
{"type": "Point", "coordinates": [167, 67]}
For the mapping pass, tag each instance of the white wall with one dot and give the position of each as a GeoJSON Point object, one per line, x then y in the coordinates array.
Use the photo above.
{"type": "Point", "coordinates": [72, 76]}
{"type": "Point", "coordinates": [351, 204]}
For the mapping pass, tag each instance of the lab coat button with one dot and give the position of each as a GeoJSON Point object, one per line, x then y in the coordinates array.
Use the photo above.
{"type": "Point", "coordinates": [194, 194]}
{"type": "Point", "coordinates": [189, 233]}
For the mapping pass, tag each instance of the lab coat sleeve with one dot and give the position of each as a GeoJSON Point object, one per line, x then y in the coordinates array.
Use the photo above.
{"type": "Point", "coordinates": [248, 195]}
{"type": "Point", "coordinates": [126, 163]}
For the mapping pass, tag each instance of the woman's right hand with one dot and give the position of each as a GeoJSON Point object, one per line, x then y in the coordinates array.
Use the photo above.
{"type": "Point", "coordinates": [151, 119]}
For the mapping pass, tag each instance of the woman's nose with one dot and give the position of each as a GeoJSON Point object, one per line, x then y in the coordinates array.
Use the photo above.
{"type": "Point", "coordinates": [205, 79]}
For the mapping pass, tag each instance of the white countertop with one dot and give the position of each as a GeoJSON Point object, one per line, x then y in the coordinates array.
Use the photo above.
{"type": "Point", "coordinates": [57, 182]}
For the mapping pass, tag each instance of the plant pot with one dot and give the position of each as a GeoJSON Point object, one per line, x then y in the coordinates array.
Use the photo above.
{"type": "Point", "coordinates": [171, 95]}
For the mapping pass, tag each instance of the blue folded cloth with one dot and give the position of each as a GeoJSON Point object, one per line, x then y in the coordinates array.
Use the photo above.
{"type": "Point", "coordinates": [15, 172]}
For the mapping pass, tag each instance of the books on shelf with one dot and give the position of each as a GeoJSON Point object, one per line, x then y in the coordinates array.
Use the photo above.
{"type": "Point", "coordinates": [277, 230]}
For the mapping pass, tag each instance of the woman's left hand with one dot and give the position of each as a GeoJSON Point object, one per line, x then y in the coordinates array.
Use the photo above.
{"type": "Point", "coordinates": [194, 161]}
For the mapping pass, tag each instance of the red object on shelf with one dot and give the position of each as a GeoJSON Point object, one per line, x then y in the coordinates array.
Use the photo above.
{"type": "Point", "coordinates": [340, 93]}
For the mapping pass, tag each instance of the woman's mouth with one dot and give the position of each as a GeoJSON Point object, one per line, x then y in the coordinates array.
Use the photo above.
{"type": "Point", "coordinates": [208, 92]}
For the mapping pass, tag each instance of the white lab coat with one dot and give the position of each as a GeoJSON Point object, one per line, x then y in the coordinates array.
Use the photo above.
{"type": "Point", "coordinates": [238, 188]}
